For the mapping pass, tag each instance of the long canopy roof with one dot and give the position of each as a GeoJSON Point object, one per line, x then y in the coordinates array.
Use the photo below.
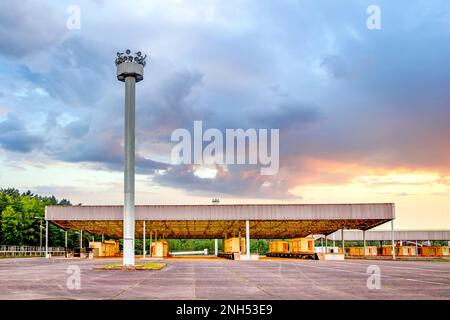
{"type": "Point", "coordinates": [421, 235]}
{"type": "Point", "coordinates": [267, 221]}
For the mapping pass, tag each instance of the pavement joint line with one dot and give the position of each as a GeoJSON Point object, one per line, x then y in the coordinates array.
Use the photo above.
{"type": "Point", "coordinates": [242, 278]}
{"type": "Point", "coordinates": [269, 293]}
{"type": "Point", "coordinates": [324, 288]}
{"type": "Point", "coordinates": [194, 283]}
{"type": "Point", "coordinates": [132, 285]}
{"type": "Point", "coordinates": [314, 283]}
{"type": "Point", "coordinates": [397, 267]}
{"type": "Point", "coordinates": [432, 272]}
{"type": "Point", "coordinates": [385, 276]}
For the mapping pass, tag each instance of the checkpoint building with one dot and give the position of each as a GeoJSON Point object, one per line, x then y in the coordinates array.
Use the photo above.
{"type": "Point", "coordinates": [260, 221]}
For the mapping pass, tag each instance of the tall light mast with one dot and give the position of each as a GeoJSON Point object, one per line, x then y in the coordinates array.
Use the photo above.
{"type": "Point", "coordinates": [130, 69]}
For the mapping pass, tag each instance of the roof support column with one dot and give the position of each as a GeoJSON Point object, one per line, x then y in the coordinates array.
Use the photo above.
{"type": "Point", "coordinates": [151, 235]}
{"type": "Point", "coordinates": [247, 236]}
{"type": "Point", "coordinates": [326, 244]}
{"type": "Point", "coordinates": [143, 241]}
{"type": "Point", "coordinates": [216, 247]}
{"type": "Point", "coordinates": [40, 235]}
{"type": "Point", "coordinates": [65, 242]}
{"type": "Point", "coordinates": [46, 240]}
{"type": "Point", "coordinates": [417, 249]}
{"type": "Point", "coordinates": [81, 238]}
{"type": "Point", "coordinates": [364, 241]}
{"type": "Point", "coordinates": [392, 239]}
{"type": "Point", "coordinates": [240, 242]}
{"type": "Point", "coordinates": [343, 242]}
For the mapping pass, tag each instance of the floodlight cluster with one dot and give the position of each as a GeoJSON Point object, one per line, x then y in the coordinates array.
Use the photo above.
{"type": "Point", "coordinates": [128, 57]}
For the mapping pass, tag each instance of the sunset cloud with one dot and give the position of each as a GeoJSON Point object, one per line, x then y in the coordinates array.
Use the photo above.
{"type": "Point", "coordinates": [360, 109]}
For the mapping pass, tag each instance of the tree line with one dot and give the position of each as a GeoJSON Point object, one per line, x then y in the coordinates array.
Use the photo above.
{"type": "Point", "coordinates": [22, 215]}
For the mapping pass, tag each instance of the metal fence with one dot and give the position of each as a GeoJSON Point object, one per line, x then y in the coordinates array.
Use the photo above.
{"type": "Point", "coordinates": [11, 251]}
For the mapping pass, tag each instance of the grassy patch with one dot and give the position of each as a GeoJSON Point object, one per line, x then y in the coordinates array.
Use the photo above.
{"type": "Point", "coordinates": [138, 266]}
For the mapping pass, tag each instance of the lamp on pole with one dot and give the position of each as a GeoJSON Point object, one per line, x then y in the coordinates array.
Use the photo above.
{"type": "Point", "coordinates": [40, 231]}
{"type": "Point", "coordinates": [130, 69]}
{"type": "Point", "coordinates": [65, 241]}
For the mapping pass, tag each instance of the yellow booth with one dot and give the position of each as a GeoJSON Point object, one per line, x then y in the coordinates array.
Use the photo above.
{"type": "Point", "coordinates": [435, 251]}
{"type": "Point", "coordinates": [160, 249]}
{"type": "Point", "coordinates": [108, 248]}
{"type": "Point", "coordinates": [359, 251]}
{"type": "Point", "coordinates": [232, 245]}
{"type": "Point", "coordinates": [399, 251]}
{"type": "Point", "coordinates": [278, 246]}
{"type": "Point", "coordinates": [301, 245]}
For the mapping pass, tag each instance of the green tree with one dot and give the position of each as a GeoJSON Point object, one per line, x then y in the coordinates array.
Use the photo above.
{"type": "Point", "coordinates": [21, 216]}
{"type": "Point", "coordinates": [259, 246]}
{"type": "Point", "coordinates": [10, 226]}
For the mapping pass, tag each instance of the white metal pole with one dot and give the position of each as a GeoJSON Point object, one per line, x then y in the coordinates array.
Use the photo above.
{"type": "Point", "coordinates": [334, 242]}
{"type": "Point", "coordinates": [216, 247]}
{"type": "Point", "coordinates": [364, 240]}
{"type": "Point", "coordinates": [40, 235]}
{"type": "Point", "coordinates": [417, 249]}
{"type": "Point", "coordinates": [46, 239]}
{"type": "Point", "coordinates": [81, 238]}
{"type": "Point", "coordinates": [343, 242]}
{"type": "Point", "coordinates": [103, 237]}
{"type": "Point", "coordinates": [129, 70]}
{"type": "Point", "coordinates": [151, 235]}
{"type": "Point", "coordinates": [392, 239]}
{"type": "Point", "coordinates": [129, 214]}
{"type": "Point", "coordinates": [247, 236]}
{"type": "Point", "coordinates": [326, 244]}
{"type": "Point", "coordinates": [240, 242]}
{"type": "Point", "coordinates": [143, 241]}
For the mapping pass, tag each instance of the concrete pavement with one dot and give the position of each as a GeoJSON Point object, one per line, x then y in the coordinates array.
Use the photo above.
{"type": "Point", "coordinates": [39, 278]}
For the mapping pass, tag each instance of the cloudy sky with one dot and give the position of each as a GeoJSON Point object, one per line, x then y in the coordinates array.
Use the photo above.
{"type": "Point", "coordinates": [364, 115]}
